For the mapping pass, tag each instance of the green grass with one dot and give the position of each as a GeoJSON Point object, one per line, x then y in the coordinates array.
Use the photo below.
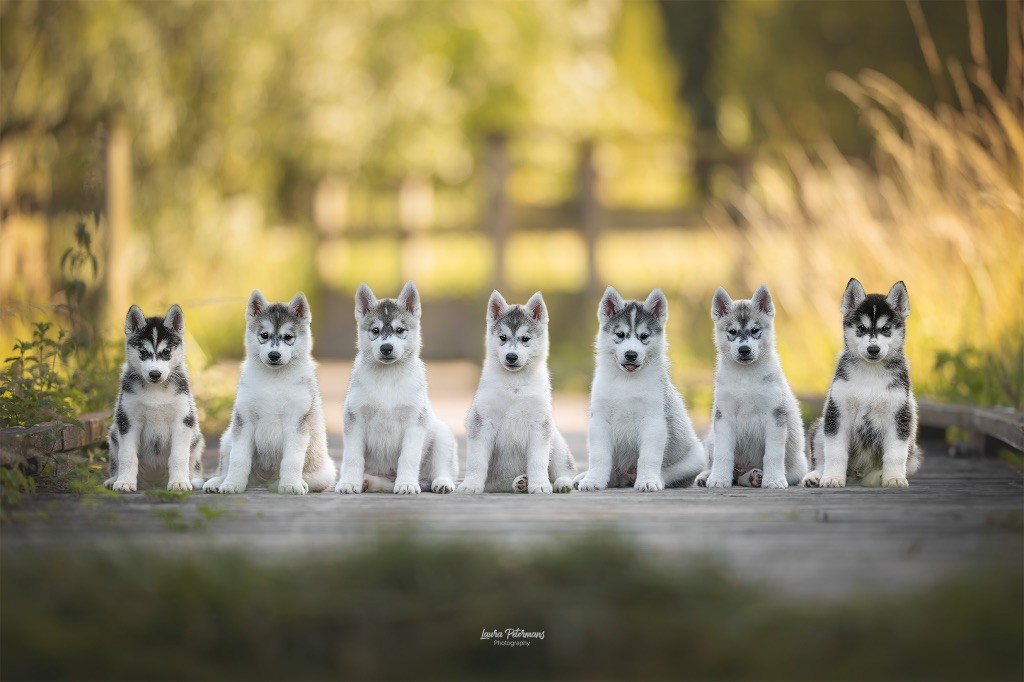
{"type": "Point", "coordinates": [403, 609]}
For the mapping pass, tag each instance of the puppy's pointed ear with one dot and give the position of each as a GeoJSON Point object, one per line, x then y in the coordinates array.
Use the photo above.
{"type": "Point", "coordinates": [175, 319]}
{"type": "Point", "coordinates": [299, 307]}
{"type": "Point", "coordinates": [657, 305]}
{"type": "Point", "coordinates": [409, 299]}
{"type": "Point", "coordinates": [257, 304]}
{"type": "Point", "coordinates": [611, 303]}
{"type": "Point", "coordinates": [898, 299]}
{"type": "Point", "coordinates": [763, 301]}
{"type": "Point", "coordinates": [134, 321]}
{"type": "Point", "coordinates": [537, 308]}
{"type": "Point", "coordinates": [852, 297]}
{"type": "Point", "coordinates": [365, 301]}
{"type": "Point", "coordinates": [721, 304]}
{"type": "Point", "coordinates": [496, 306]}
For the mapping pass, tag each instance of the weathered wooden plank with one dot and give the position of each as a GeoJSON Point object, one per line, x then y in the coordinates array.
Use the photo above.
{"type": "Point", "coordinates": [21, 443]}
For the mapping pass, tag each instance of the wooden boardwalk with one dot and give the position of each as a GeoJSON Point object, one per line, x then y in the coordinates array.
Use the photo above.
{"type": "Point", "coordinates": [956, 514]}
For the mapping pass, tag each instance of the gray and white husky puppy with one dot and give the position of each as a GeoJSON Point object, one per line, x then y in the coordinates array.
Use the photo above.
{"type": "Point", "coordinates": [639, 432]}
{"type": "Point", "coordinates": [155, 436]}
{"type": "Point", "coordinates": [757, 434]}
{"type": "Point", "coordinates": [514, 445]}
{"type": "Point", "coordinates": [277, 433]}
{"type": "Point", "coordinates": [869, 427]}
{"type": "Point", "coordinates": [393, 440]}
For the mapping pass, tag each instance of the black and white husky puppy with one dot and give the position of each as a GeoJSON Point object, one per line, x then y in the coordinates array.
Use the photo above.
{"type": "Point", "coordinates": [640, 434]}
{"type": "Point", "coordinates": [155, 436]}
{"type": "Point", "coordinates": [514, 445]}
{"type": "Point", "coordinates": [393, 440]}
{"type": "Point", "coordinates": [869, 427]}
{"type": "Point", "coordinates": [757, 434]}
{"type": "Point", "coordinates": [277, 433]}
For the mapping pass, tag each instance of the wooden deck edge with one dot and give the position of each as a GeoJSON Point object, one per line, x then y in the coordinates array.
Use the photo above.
{"type": "Point", "coordinates": [21, 443]}
{"type": "Point", "coordinates": [1004, 424]}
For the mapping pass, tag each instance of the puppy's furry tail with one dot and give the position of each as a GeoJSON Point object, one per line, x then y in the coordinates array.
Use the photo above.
{"type": "Point", "coordinates": [377, 484]}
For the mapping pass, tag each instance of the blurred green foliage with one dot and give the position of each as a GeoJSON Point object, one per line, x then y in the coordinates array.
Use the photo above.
{"type": "Point", "coordinates": [410, 610]}
{"type": "Point", "coordinates": [983, 377]}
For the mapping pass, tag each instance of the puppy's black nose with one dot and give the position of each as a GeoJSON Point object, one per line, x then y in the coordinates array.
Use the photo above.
{"type": "Point", "coordinates": [630, 356]}
{"type": "Point", "coordinates": [511, 358]}
{"type": "Point", "coordinates": [873, 350]}
{"type": "Point", "coordinates": [744, 351]}
{"type": "Point", "coordinates": [386, 349]}
{"type": "Point", "coordinates": [155, 375]}
{"type": "Point", "coordinates": [274, 356]}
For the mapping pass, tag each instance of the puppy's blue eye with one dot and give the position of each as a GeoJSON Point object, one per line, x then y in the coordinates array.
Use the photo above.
{"type": "Point", "coordinates": [502, 337]}
{"type": "Point", "coordinates": [524, 339]}
{"type": "Point", "coordinates": [644, 336]}
{"type": "Point", "coordinates": [264, 336]}
{"type": "Point", "coordinates": [732, 332]}
{"type": "Point", "coordinates": [886, 329]}
{"type": "Point", "coordinates": [166, 355]}
{"type": "Point", "coordinates": [620, 335]}
{"type": "Point", "coordinates": [288, 338]}
{"type": "Point", "coordinates": [375, 330]}
{"type": "Point", "coordinates": [755, 332]}
{"type": "Point", "coordinates": [861, 328]}
{"type": "Point", "coordinates": [400, 330]}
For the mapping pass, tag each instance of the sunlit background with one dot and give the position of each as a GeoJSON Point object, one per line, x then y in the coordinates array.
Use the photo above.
{"type": "Point", "coordinates": [204, 149]}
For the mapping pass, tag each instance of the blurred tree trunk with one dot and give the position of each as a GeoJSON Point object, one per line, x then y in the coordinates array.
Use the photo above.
{"type": "Point", "coordinates": [117, 294]}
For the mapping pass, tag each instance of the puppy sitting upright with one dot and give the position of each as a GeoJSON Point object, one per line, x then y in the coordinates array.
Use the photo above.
{"type": "Point", "coordinates": [277, 433]}
{"type": "Point", "coordinates": [640, 434]}
{"type": "Point", "coordinates": [870, 423]}
{"type": "Point", "coordinates": [155, 436]}
{"type": "Point", "coordinates": [393, 440]}
{"type": "Point", "coordinates": [757, 435]}
{"type": "Point", "coordinates": [514, 445]}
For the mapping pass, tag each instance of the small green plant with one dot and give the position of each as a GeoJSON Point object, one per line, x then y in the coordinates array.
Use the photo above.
{"type": "Point", "coordinates": [164, 496]}
{"type": "Point", "coordinates": [35, 386]}
{"type": "Point", "coordinates": [16, 486]}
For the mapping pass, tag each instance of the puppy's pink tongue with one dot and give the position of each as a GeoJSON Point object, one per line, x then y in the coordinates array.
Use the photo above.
{"type": "Point", "coordinates": [630, 366]}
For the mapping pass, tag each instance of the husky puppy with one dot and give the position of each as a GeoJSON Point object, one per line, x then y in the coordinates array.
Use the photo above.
{"type": "Point", "coordinates": [393, 440]}
{"type": "Point", "coordinates": [514, 445]}
{"type": "Point", "coordinates": [757, 435]}
{"type": "Point", "coordinates": [277, 433]}
{"type": "Point", "coordinates": [155, 435]}
{"type": "Point", "coordinates": [639, 433]}
{"type": "Point", "coordinates": [869, 429]}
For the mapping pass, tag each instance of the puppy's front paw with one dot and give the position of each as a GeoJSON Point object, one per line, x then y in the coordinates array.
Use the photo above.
{"type": "Point", "coordinates": [407, 488]}
{"type": "Point", "coordinates": [123, 486]}
{"type": "Point", "coordinates": [349, 488]}
{"type": "Point", "coordinates": [895, 482]}
{"type": "Point", "coordinates": [652, 485]}
{"type": "Point", "coordinates": [180, 486]}
{"type": "Point", "coordinates": [543, 488]}
{"type": "Point", "coordinates": [299, 487]}
{"type": "Point", "coordinates": [469, 488]}
{"type": "Point", "coordinates": [719, 481]}
{"type": "Point", "coordinates": [774, 482]}
{"type": "Point", "coordinates": [832, 482]}
{"type": "Point", "coordinates": [213, 484]}
{"type": "Point", "coordinates": [702, 479]}
{"type": "Point", "coordinates": [811, 480]}
{"type": "Point", "coordinates": [588, 485]}
{"type": "Point", "coordinates": [521, 484]}
{"type": "Point", "coordinates": [442, 486]}
{"type": "Point", "coordinates": [562, 485]}
{"type": "Point", "coordinates": [231, 488]}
